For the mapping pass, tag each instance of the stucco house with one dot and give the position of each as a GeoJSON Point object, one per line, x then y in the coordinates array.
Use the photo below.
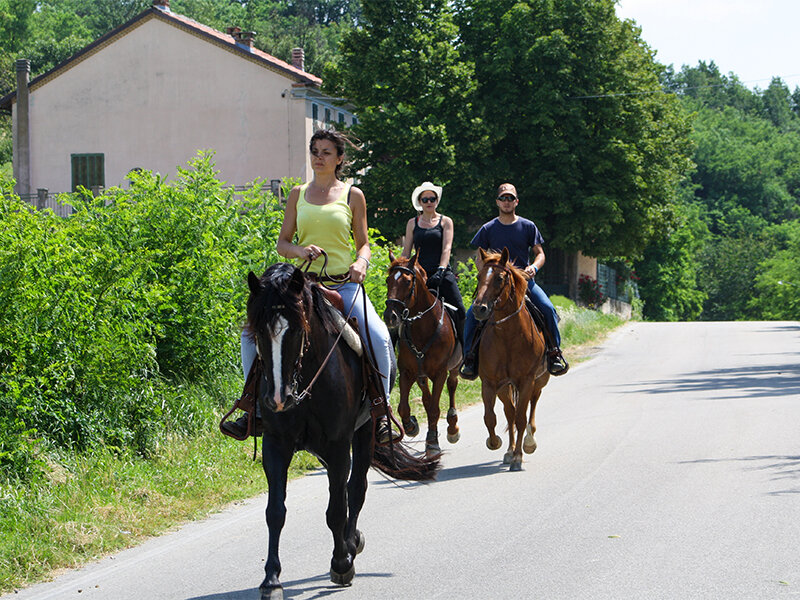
{"type": "Point", "coordinates": [150, 94]}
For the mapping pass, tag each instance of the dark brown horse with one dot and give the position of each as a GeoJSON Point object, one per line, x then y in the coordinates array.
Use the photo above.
{"type": "Point", "coordinates": [512, 354]}
{"type": "Point", "coordinates": [311, 396]}
{"type": "Point", "coordinates": [428, 348]}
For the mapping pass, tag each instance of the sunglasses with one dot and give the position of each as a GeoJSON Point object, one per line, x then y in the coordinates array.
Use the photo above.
{"type": "Point", "coordinates": [506, 198]}
{"type": "Point", "coordinates": [426, 199]}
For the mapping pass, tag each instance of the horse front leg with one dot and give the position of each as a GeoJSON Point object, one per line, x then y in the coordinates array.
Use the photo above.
{"type": "Point", "coordinates": [529, 444]}
{"type": "Point", "coordinates": [337, 459]}
{"type": "Point", "coordinates": [493, 442]}
{"type": "Point", "coordinates": [508, 397]}
{"type": "Point", "coordinates": [275, 460]}
{"type": "Point", "coordinates": [357, 487]}
{"type": "Point", "coordinates": [520, 422]}
{"type": "Point", "coordinates": [430, 399]}
{"type": "Point", "coordinates": [410, 425]}
{"type": "Point", "coordinates": [453, 434]}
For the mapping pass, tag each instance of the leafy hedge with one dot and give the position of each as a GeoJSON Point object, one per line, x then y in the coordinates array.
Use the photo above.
{"type": "Point", "coordinates": [111, 318]}
{"type": "Point", "coordinates": [104, 315]}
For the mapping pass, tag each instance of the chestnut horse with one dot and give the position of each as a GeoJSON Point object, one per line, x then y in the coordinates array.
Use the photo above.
{"type": "Point", "coordinates": [311, 396]}
{"type": "Point", "coordinates": [512, 361]}
{"type": "Point", "coordinates": [429, 349]}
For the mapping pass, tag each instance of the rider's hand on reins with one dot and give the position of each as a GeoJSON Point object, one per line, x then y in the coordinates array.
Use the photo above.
{"type": "Point", "coordinates": [358, 271]}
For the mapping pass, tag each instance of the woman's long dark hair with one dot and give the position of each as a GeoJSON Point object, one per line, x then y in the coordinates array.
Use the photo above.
{"type": "Point", "coordinates": [339, 140]}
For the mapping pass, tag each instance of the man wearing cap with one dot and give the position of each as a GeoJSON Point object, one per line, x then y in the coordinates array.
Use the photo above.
{"type": "Point", "coordinates": [520, 236]}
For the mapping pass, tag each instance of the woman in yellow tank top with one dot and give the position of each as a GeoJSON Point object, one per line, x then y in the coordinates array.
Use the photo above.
{"type": "Point", "coordinates": [326, 213]}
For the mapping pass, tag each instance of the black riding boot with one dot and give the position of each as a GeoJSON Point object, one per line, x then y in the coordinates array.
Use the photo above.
{"type": "Point", "coordinates": [556, 363]}
{"type": "Point", "coordinates": [469, 368]}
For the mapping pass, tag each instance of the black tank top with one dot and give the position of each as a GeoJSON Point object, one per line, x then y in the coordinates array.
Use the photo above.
{"type": "Point", "coordinates": [428, 244]}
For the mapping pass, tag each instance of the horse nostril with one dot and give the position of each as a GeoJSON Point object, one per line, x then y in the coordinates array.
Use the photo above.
{"type": "Point", "coordinates": [481, 311]}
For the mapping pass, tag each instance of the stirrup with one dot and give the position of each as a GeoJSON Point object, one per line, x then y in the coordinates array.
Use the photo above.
{"type": "Point", "coordinates": [556, 363]}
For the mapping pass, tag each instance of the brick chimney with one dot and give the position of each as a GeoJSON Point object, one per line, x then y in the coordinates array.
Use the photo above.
{"type": "Point", "coordinates": [21, 130]}
{"type": "Point", "coordinates": [162, 4]}
{"type": "Point", "coordinates": [243, 39]}
{"type": "Point", "coordinates": [298, 58]}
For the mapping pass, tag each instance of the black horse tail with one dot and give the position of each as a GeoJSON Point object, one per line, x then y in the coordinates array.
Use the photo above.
{"type": "Point", "coordinates": [397, 462]}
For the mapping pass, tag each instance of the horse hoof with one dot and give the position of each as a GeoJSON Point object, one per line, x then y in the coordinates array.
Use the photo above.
{"type": "Point", "coordinates": [516, 465]}
{"type": "Point", "coordinates": [272, 593]}
{"type": "Point", "coordinates": [432, 451]}
{"type": "Point", "coordinates": [343, 579]}
{"type": "Point", "coordinates": [411, 427]}
{"type": "Point", "coordinates": [508, 457]}
{"type": "Point", "coordinates": [529, 445]}
{"type": "Point", "coordinates": [493, 442]}
{"type": "Point", "coordinates": [360, 541]}
{"type": "Point", "coordinates": [453, 437]}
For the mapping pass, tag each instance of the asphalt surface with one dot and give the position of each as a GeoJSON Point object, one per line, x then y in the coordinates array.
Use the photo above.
{"type": "Point", "coordinates": [668, 467]}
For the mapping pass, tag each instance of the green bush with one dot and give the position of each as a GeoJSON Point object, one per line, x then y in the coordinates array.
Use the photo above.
{"type": "Point", "coordinates": [107, 314]}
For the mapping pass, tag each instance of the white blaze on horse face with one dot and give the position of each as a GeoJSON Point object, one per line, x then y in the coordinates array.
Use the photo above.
{"type": "Point", "coordinates": [281, 327]}
{"type": "Point", "coordinates": [397, 275]}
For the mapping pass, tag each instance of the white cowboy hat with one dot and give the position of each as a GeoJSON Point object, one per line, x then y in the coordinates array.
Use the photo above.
{"type": "Point", "coordinates": [426, 186]}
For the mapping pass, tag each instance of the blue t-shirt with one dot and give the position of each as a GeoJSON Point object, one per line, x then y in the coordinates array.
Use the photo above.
{"type": "Point", "coordinates": [519, 238]}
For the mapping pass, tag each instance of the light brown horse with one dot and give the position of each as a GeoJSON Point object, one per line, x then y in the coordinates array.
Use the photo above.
{"type": "Point", "coordinates": [512, 355]}
{"type": "Point", "coordinates": [428, 348]}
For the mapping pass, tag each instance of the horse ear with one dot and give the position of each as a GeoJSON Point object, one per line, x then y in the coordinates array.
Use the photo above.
{"type": "Point", "coordinates": [253, 283]}
{"type": "Point", "coordinates": [412, 261]}
{"type": "Point", "coordinates": [392, 256]}
{"type": "Point", "coordinates": [297, 282]}
{"type": "Point", "coordinates": [504, 256]}
{"type": "Point", "coordinates": [482, 253]}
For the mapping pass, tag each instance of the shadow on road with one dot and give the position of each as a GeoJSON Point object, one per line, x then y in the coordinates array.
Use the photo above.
{"type": "Point", "coordinates": [319, 585]}
{"type": "Point", "coordinates": [783, 468]}
{"type": "Point", "coordinates": [746, 382]}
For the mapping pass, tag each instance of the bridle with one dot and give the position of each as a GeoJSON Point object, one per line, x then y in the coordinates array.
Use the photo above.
{"type": "Point", "coordinates": [305, 343]}
{"type": "Point", "coordinates": [406, 321]}
{"type": "Point", "coordinates": [510, 297]}
{"type": "Point", "coordinates": [404, 318]}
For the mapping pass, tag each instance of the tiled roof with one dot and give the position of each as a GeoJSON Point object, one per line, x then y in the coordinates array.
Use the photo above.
{"type": "Point", "coordinates": [299, 77]}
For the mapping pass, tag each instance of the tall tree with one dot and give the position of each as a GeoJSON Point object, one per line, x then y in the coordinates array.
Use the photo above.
{"type": "Point", "coordinates": [412, 92]}
{"type": "Point", "coordinates": [571, 96]}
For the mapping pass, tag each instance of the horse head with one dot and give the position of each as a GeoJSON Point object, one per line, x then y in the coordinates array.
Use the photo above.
{"type": "Point", "coordinates": [277, 317]}
{"type": "Point", "coordinates": [405, 285]}
{"type": "Point", "coordinates": [498, 282]}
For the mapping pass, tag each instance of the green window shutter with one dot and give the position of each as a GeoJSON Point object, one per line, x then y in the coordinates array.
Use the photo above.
{"type": "Point", "coordinates": [88, 170]}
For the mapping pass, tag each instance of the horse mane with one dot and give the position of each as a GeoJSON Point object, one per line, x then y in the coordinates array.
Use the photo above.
{"type": "Point", "coordinates": [520, 276]}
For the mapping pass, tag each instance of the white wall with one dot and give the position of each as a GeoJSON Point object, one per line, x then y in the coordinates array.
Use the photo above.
{"type": "Point", "coordinates": [156, 95]}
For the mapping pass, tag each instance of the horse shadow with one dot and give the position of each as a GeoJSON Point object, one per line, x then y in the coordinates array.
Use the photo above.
{"type": "Point", "coordinates": [319, 585]}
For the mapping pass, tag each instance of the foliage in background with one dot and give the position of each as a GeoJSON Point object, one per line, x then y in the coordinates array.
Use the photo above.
{"type": "Point", "coordinates": [401, 70]}
{"type": "Point", "coordinates": [594, 160]}
{"type": "Point", "coordinates": [778, 283]}
{"type": "Point", "coordinates": [589, 292]}
{"type": "Point", "coordinates": [670, 278]}
{"type": "Point", "coordinates": [105, 315]}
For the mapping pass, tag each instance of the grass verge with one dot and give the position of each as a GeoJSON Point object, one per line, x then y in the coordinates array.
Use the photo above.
{"type": "Point", "coordinates": [88, 506]}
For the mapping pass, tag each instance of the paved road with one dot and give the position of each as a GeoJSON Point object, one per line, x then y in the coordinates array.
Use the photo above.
{"type": "Point", "coordinates": [668, 467]}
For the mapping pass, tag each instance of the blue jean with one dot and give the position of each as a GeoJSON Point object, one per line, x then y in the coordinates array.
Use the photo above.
{"type": "Point", "coordinates": [540, 300]}
{"type": "Point", "coordinates": [378, 334]}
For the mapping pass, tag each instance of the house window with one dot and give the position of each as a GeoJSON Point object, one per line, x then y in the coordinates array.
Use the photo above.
{"type": "Point", "coordinates": [88, 170]}
{"type": "Point", "coordinates": [315, 112]}
{"type": "Point", "coordinates": [355, 120]}
{"type": "Point", "coordinates": [341, 118]}
{"type": "Point", "coordinates": [327, 115]}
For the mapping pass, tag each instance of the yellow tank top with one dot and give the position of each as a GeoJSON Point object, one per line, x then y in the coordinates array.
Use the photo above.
{"type": "Point", "coordinates": [328, 226]}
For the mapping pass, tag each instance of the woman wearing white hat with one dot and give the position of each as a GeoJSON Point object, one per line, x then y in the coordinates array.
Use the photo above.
{"type": "Point", "coordinates": [430, 234]}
